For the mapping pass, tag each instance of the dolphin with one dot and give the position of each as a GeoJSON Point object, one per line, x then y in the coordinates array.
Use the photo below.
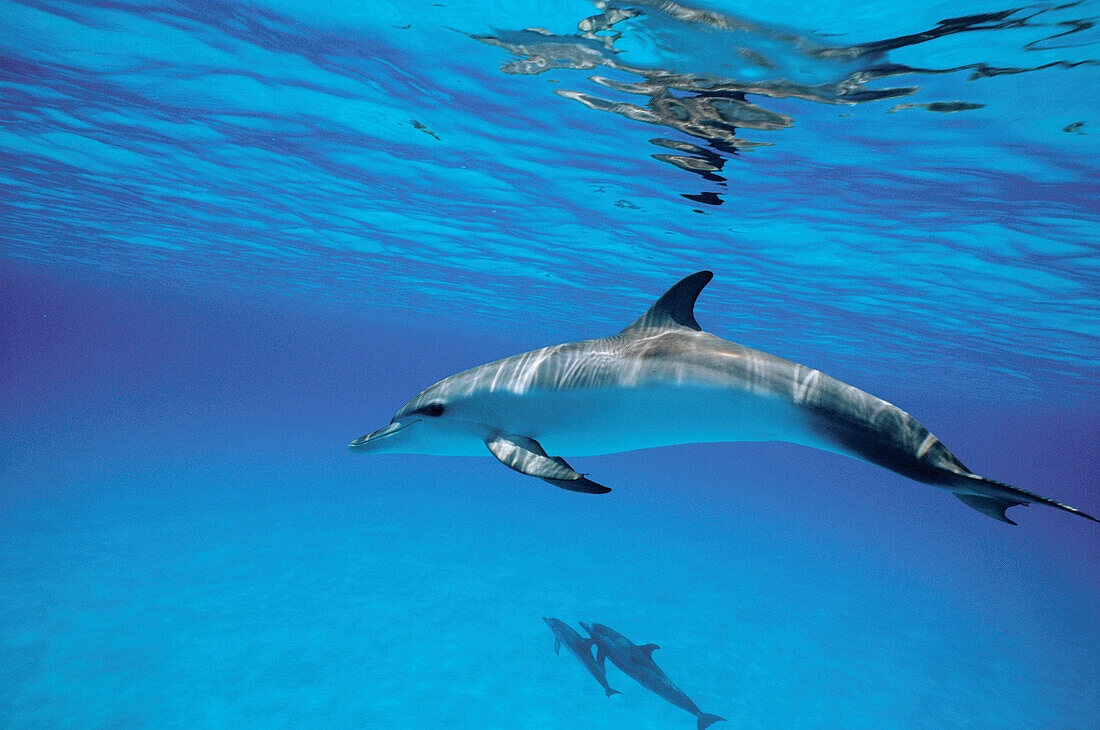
{"type": "Point", "coordinates": [581, 648]}
{"type": "Point", "coordinates": [664, 381]}
{"type": "Point", "coordinates": [637, 663]}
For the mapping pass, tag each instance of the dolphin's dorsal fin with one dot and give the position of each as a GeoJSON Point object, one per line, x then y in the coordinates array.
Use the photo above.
{"type": "Point", "coordinates": [649, 649]}
{"type": "Point", "coordinates": [676, 307]}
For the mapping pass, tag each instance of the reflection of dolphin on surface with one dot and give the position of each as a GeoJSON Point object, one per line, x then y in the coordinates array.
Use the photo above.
{"type": "Point", "coordinates": [637, 663]}
{"type": "Point", "coordinates": [663, 381]}
{"type": "Point", "coordinates": [694, 70]}
{"type": "Point", "coordinates": [581, 648]}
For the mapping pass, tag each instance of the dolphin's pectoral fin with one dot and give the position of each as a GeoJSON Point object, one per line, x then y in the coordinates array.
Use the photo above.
{"type": "Point", "coordinates": [601, 657]}
{"type": "Point", "coordinates": [557, 646]}
{"type": "Point", "coordinates": [527, 456]}
{"type": "Point", "coordinates": [992, 506]}
{"type": "Point", "coordinates": [579, 485]}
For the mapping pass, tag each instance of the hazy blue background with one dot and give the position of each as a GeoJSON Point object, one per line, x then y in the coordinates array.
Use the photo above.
{"type": "Point", "coordinates": [235, 237]}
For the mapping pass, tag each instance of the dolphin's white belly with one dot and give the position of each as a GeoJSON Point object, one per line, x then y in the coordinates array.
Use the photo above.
{"type": "Point", "coordinates": [613, 420]}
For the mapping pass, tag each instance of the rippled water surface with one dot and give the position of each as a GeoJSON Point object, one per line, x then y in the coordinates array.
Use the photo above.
{"type": "Point", "coordinates": [359, 151]}
{"type": "Point", "coordinates": [237, 235]}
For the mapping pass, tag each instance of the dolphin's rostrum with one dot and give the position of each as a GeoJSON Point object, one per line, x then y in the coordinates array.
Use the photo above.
{"type": "Point", "coordinates": [581, 648]}
{"type": "Point", "coordinates": [663, 381]}
{"type": "Point", "coordinates": [637, 663]}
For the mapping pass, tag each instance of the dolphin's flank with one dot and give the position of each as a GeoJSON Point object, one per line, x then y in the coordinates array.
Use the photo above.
{"type": "Point", "coordinates": [663, 381]}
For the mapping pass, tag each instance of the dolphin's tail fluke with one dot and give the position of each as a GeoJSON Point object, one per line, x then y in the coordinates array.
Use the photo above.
{"type": "Point", "coordinates": [993, 498]}
{"type": "Point", "coordinates": [706, 720]}
{"type": "Point", "coordinates": [612, 692]}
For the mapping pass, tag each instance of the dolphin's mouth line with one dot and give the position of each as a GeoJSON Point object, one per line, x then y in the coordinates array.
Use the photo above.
{"type": "Point", "coordinates": [382, 433]}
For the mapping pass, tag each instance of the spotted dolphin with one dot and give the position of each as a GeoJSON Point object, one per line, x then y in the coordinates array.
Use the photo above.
{"type": "Point", "coordinates": [581, 648]}
{"type": "Point", "coordinates": [637, 663]}
{"type": "Point", "coordinates": [663, 381]}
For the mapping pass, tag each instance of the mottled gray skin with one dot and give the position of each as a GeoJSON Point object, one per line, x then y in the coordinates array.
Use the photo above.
{"type": "Point", "coordinates": [581, 648]}
{"type": "Point", "coordinates": [637, 663]}
{"type": "Point", "coordinates": [663, 381]}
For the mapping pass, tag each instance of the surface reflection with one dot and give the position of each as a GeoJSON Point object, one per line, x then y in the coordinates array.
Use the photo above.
{"type": "Point", "coordinates": [694, 69]}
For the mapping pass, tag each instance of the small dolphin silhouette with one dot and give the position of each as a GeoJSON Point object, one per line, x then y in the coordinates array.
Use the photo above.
{"type": "Point", "coordinates": [637, 663]}
{"type": "Point", "coordinates": [581, 648]}
{"type": "Point", "coordinates": [664, 381]}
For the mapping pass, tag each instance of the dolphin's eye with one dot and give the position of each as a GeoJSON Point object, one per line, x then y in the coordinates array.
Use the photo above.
{"type": "Point", "coordinates": [435, 409]}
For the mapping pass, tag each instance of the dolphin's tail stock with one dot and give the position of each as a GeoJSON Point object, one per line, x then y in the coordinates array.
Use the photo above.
{"type": "Point", "coordinates": [706, 720]}
{"type": "Point", "coordinates": [993, 498]}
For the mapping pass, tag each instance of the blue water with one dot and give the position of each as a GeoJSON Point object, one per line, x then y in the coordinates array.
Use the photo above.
{"type": "Point", "coordinates": [237, 236]}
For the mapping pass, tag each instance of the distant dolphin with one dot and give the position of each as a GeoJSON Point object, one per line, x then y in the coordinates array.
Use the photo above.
{"type": "Point", "coordinates": [637, 663]}
{"type": "Point", "coordinates": [581, 648]}
{"type": "Point", "coordinates": [663, 381]}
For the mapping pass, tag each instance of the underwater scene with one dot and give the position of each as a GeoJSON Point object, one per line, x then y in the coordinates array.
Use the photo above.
{"type": "Point", "coordinates": [433, 364]}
